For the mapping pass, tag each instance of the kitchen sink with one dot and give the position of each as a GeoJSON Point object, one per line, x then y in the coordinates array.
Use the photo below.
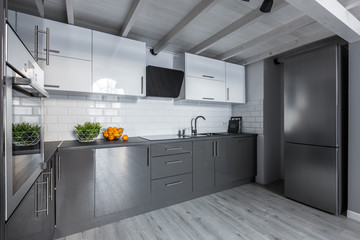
{"type": "Point", "coordinates": [210, 134]}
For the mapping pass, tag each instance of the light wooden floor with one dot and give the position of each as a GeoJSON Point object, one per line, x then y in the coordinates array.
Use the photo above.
{"type": "Point", "coordinates": [246, 212]}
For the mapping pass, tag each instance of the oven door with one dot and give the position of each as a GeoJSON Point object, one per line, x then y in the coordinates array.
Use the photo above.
{"type": "Point", "coordinates": [23, 121]}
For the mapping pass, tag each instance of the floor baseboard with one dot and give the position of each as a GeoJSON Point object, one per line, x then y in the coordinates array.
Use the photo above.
{"type": "Point", "coordinates": [353, 215]}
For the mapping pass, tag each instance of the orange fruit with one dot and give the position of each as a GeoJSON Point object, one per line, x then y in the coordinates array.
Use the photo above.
{"type": "Point", "coordinates": [120, 130]}
{"type": "Point", "coordinates": [111, 137]}
{"type": "Point", "coordinates": [125, 137]}
{"type": "Point", "coordinates": [106, 134]}
{"type": "Point", "coordinates": [116, 134]}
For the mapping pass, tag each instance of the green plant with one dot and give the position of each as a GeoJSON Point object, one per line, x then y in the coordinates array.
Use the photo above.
{"type": "Point", "coordinates": [25, 133]}
{"type": "Point", "coordinates": [87, 131]}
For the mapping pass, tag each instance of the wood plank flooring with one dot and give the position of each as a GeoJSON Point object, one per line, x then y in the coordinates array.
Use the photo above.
{"type": "Point", "coordinates": [250, 211]}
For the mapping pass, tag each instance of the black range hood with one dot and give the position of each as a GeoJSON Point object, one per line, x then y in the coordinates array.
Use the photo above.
{"type": "Point", "coordinates": [163, 82]}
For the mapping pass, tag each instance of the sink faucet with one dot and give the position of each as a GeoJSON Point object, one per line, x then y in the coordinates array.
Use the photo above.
{"type": "Point", "coordinates": [194, 130]}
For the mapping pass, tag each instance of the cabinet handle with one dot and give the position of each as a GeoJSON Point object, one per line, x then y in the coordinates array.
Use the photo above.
{"type": "Point", "coordinates": [59, 168]}
{"type": "Point", "coordinates": [51, 173]}
{"type": "Point", "coordinates": [173, 162]}
{"type": "Point", "coordinates": [174, 183]}
{"type": "Point", "coordinates": [142, 85]}
{"type": "Point", "coordinates": [217, 149]}
{"type": "Point", "coordinates": [208, 98]}
{"type": "Point", "coordinates": [148, 156]}
{"type": "Point", "coordinates": [37, 184]}
{"type": "Point", "coordinates": [52, 50]}
{"type": "Point", "coordinates": [173, 149]}
{"type": "Point", "coordinates": [227, 94]}
{"type": "Point", "coordinates": [213, 147]}
{"type": "Point", "coordinates": [52, 86]}
{"type": "Point", "coordinates": [208, 76]}
{"type": "Point", "coordinates": [47, 49]}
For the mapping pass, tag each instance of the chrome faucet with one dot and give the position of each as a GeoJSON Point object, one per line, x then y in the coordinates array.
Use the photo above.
{"type": "Point", "coordinates": [194, 130]}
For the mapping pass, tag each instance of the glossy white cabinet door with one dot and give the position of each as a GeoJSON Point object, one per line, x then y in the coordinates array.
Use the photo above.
{"type": "Point", "coordinates": [203, 67]}
{"type": "Point", "coordinates": [25, 28]}
{"type": "Point", "coordinates": [204, 89]}
{"type": "Point", "coordinates": [69, 40]}
{"type": "Point", "coordinates": [119, 65]}
{"type": "Point", "coordinates": [68, 74]}
{"type": "Point", "coordinates": [235, 83]}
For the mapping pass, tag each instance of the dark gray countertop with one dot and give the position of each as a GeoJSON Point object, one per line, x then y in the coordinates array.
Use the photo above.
{"type": "Point", "coordinates": [136, 141]}
{"type": "Point", "coordinates": [49, 149]}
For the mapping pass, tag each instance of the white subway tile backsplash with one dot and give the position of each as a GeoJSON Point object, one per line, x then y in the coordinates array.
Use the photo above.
{"type": "Point", "coordinates": [95, 112]}
{"type": "Point", "coordinates": [58, 111]}
{"type": "Point", "coordinates": [22, 110]}
{"type": "Point", "coordinates": [110, 112]}
{"type": "Point", "coordinates": [67, 119]}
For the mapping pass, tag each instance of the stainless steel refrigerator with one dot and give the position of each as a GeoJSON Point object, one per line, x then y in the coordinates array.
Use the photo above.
{"type": "Point", "coordinates": [315, 127]}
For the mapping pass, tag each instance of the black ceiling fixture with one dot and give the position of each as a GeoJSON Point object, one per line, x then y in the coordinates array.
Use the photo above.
{"type": "Point", "coordinates": [266, 6]}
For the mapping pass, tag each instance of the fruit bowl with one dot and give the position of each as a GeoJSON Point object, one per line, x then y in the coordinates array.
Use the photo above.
{"type": "Point", "coordinates": [113, 133]}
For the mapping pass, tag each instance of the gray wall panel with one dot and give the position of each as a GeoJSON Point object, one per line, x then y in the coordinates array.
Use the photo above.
{"type": "Point", "coordinates": [354, 129]}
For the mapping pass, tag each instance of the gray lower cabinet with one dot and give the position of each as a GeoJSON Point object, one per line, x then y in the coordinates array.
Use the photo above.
{"type": "Point", "coordinates": [165, 189]}
{"type": "Point", "coordinates": [122, 179]}
{"type": "Point", "coordinates": [33, 219]}
{"type": "Point", "coordinates": [245, 158]}
{"type": "Point", "coordinates": [203, 165]}
{"type": "Point", "coordinates": [75, 191]}
{"type": "Point", "coordinates": [225, 158]}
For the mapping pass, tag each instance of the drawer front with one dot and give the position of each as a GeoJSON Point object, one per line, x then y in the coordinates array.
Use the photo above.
{"type": "Point", "coordinates": [164, 149]}
{"type": "Point", "coordinates": [167, 166]}
{"type": "Point", "coordinates": [203, 67]}
{"type": "Point", "coordinates": [171, 187]}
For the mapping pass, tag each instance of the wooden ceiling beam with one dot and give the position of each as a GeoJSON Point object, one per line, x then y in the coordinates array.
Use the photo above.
{"type": "Point", "coordinates": [349, 4]}
{"type": "Point", "coordinates": [70, 11]}
{"type": "Point", "coordinates": [203, 6]}
{"type": "Point", "coordinates": [242, 22]}
{"type": "Point", "coordinates": [287, 28]}
{"type": "Point", "coordinates": [332, 15]}
{"type": "Point", "coordinates": [130, 19]}
{"type": "Point", "coordinates": [325, 33]}
{"type": "Point", "coordinates": [40, 7]}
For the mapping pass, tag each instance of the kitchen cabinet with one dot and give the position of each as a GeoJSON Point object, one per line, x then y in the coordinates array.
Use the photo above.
{"type": "Point", "coordinates": [70, 48]}
{"type": "Point", "coordinates": [203, 67]}
{"type": "Point", "coordinates": [34, 218]}
{"type": "Point", "coordinates": [203, 165]}
{"type": "Point", "coordinates": [75, 189]}
{"type": "Point", "coordinates": [235, 83]}
{"type": "Point", "coordinates": [171, 171]}
{"type": "Point", "coordinates": [122, 179]}
{"type": "Point", "coordinates": [204, 89]}
{"type": "Point", "coordinates": [68, 74]}
{"type": "Point", "coordinates": [119, 65]}
{"type": "Point", "coordinates": [245, 158]}
{"type": "Point", "coordinates": [225, 157]}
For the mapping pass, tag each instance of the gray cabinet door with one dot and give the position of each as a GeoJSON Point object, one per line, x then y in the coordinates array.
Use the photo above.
{"type": "Point", "coordinates": [74, 189]}
{"type": "Point", "coordinates": [203, 165]}
{"type": "Point", "coordinates": [122, 179]}
{"type": "Point", "coordinates": [245, 158]}
{"type": "Point", "coordinates": [224, 161]}
{"type": "Point", "coordinates": [24, 224]}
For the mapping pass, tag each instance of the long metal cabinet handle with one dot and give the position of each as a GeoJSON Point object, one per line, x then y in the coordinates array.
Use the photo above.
{"type": "Point", "coordinates": [173, 162]}
{"type": "Point", "coordinates": [227, 93]}
{"type": "Point", "coordinates": [142, 84]}
{"type": "Point", "coordinates": [51, 174]}
{"type": "Point", "coordinates": [208, 98]}
{"type": "Point", "coordinates": [52, 86]}
{"type": "Point", "coordinates": [37, 211]}
{"type": "Point", "coordinates": [36, 43]}
{"type": "Point", "coordinates": [59, 168]}
{"type": "Point", "coordinates": [174, 183]}
{"type": "Point", "coordinates": [217, 149]}
{"type": "Point", "coordinates": [213, 148]}
{"type": "Point", "coordinates": [148, 156]}
{"type": "Point", "coordinates": [47, 46]}
{"type": "Point", "coordinates": [173, 149]}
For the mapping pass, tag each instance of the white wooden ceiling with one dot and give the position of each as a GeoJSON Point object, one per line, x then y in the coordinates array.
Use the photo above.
{"type": "Point", "coordinates": [232, 30]}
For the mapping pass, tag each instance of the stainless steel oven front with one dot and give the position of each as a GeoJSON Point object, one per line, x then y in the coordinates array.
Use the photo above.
{"type": "Point", "coordinates": [23, 121]}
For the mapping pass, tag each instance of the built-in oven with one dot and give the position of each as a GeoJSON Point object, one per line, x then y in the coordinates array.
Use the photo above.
{"type": "Point", "coordinates": [23, 120]}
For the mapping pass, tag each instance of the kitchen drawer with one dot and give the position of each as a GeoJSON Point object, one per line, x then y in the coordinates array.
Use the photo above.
{"type": "Point", "coordinates": [171, 187]}
{"type": "Point", "coordinates": [163, 149]}
{"type": "Point", "coordinates": [167, 166]}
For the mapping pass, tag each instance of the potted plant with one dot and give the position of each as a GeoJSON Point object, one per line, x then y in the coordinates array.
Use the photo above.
{"type": "Point", "coordinates": [25, 134]}
{"type": "Point", "coordinates": [88, 131]}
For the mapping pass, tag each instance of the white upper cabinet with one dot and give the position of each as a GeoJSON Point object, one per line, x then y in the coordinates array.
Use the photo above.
{"type": "Point", "coordinates": [68, 40]}
{"type": "Point", "coordinates": [119, 65]}
{"type": "Point", "coordinates": [203, 67]}
{"type": "Point", "coordinates": [235, 83]}
{"type": "Point", "coordinates": [204, 89]}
